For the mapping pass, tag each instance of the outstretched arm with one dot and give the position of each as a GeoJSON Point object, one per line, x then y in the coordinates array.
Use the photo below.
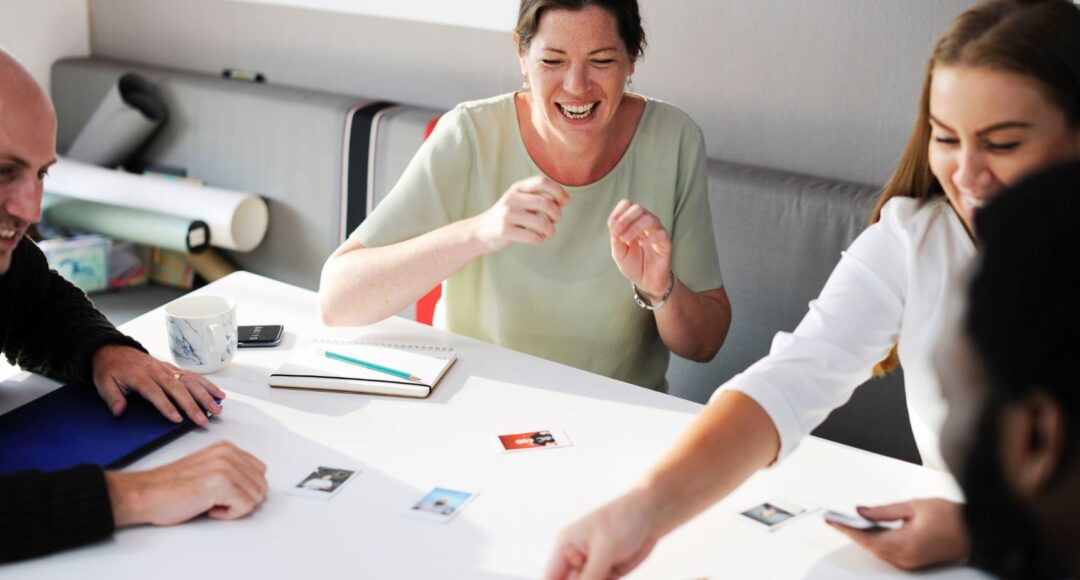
{"type": "Point", "coordinates": [731, 439]}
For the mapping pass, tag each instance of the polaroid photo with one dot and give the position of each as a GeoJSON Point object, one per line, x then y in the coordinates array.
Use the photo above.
{"type": "Point", "coordinates": [775, 514]}
{"type": "Point", "coordinates": [323, 483]}
{"type": "Point", "coordinates": [440, 505]}
{"type": "Point", "coordinates": [545, 439]}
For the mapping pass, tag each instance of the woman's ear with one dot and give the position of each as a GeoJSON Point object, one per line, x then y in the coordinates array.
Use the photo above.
{"type": "Point", "coordinates": [516, 39]}
{"type": "Point", "coordinates": [520, 55]}
{"type": "Point", "coordinates": [1032, 443]}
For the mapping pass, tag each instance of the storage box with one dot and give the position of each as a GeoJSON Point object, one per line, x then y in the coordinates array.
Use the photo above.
{"type": "Point", "coordinates": [82, 260]}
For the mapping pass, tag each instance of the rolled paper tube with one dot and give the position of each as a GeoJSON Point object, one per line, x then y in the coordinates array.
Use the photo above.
{"type": "Point", "coordinates": [237, 220]}
{"type": "Point", "coordinates": [126, 117]}
{"type": "Point", "coordinates": [211, 265]}
{"type": "Point", "coordinates": [144, 227]}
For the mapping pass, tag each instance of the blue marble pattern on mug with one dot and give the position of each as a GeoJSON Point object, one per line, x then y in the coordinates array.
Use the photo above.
{"type": "Point", "coordinates": [181, 333]}
{"type": "Point", "coordinates": [228, 322]}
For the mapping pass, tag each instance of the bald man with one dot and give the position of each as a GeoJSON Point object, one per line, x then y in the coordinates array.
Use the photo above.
{"type": "Point", "coordinates": [48, 326]}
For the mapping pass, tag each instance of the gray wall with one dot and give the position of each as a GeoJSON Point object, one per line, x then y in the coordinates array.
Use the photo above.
{"type": "Point", "coordinates": [826, 87]}
{"type": "Point", "coordinates": [37, 32]}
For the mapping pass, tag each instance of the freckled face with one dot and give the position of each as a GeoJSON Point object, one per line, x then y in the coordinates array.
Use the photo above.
{"type": "Point", "coordinates": [577, 66]}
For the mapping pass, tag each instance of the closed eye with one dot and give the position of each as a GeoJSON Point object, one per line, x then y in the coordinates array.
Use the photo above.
{"type": "Point", "coordinates": [1002, 147]}
{"type": "Point", "coordinates": [946, 140]}
{"type": "Point", "coordinates": [550, 62]}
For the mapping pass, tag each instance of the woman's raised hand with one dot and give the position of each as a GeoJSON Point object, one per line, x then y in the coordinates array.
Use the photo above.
{"type": "Point", "coordinates": [525, 214]}
{"type": "Point", "coordinates": [640, 247]}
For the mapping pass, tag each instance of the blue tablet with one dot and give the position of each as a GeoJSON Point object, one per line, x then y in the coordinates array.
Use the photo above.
{"type": "Point", "coordinates": [72, 426]}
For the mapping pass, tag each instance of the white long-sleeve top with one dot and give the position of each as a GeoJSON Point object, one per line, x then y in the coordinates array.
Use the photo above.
{"type": "Point", "coordinates": [900, 283]}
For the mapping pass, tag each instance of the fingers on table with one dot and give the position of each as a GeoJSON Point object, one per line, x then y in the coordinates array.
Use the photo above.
{"type": "Point", "coordinates": [154, 389]}
{"type": "Point", "coordinates": [113, 396]}
{"type": "Point", "coordinates": [173, 383]}
{"type": "Point", "coordinates": [237, 478]}
{"type": "Point", "coordinates": [202, 390]}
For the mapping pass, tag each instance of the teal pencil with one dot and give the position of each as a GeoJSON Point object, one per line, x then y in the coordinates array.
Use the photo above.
{"type": "Point", "coordinates": [369, 365]}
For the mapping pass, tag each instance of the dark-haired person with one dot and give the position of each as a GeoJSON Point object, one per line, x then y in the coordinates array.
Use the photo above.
{"type": "Point", "coordinates": [1001, 100]}
{"type": "Point", "coordinates": [1013, 430]}
{"type": "Point", "coordinates": [569, 219]}
{"type": "Point", "coordinates": [48, 326]}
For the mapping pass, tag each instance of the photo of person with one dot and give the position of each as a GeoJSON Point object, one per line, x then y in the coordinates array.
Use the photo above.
{"type": "Point", "coordinates": [441, 504]}
{"type": "Point", "coordinates": [532, 440]}
{"type": "Point", "coordinates": [768, 514]}
{"type": "Point", "coordinates": [323, 483]}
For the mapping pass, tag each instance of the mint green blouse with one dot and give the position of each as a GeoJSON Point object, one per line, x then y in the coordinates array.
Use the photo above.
{"type": "Point", "coordinates": [565, 300]}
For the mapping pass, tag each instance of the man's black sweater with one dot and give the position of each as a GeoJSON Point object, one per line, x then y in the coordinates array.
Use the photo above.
{"type": "Point", "coordinates": [48, 326]}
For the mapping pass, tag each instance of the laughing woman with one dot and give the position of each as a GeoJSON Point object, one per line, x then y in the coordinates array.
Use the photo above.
{"type": "Point", "coordinates": [568, 220]}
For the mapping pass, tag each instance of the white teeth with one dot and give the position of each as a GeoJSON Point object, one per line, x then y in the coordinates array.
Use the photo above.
{"type": "Point", "coordinates": [7, 234]}
{"type": "Point", "coordinates": [576, 111]}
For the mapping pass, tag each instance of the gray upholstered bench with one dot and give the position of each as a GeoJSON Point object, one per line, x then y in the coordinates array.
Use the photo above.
{"type": "Point", "coordinates": [779, 235]}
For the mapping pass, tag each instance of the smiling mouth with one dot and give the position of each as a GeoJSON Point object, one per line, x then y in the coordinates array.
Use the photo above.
{"type": "Point", "coordinates": [8, 234]}
{"type": "Point", "coordinates": [577, 112]}
{"type": "Point", "coordinates": [975, 202]}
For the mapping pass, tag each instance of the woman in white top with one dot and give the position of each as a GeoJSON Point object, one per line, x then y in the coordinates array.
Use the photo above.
{"type": "Point", "coordinates": [1001, 100]}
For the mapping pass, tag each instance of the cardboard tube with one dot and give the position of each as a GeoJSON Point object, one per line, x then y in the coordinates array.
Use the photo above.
{"type": "Point", "coordinates": [237, 220]}
{"type": "Point", "coordinates": [140, 226]}
{"type": "Point", "coordinates": [211, 265]}
{"type": "Point", "coordinates": [128, 115]}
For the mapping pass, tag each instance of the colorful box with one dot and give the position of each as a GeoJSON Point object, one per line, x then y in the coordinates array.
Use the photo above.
{"type": "Point", "coordinates": [81, 260]}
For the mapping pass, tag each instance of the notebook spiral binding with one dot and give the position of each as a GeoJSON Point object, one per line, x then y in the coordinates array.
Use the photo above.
{"type": "Point", "coordinates": [434, 350]}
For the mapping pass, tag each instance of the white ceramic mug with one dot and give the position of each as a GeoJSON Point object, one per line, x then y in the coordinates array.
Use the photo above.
{"type": "Point", "coordinates": [202, 332]}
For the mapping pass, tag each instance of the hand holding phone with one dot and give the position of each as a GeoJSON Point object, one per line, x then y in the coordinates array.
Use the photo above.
{"type": "Point", "coordinates": [858, 523]}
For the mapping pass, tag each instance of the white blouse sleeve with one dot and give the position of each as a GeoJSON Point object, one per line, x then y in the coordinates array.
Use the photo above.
{"type": "Point", "coordinates": [850, 328]}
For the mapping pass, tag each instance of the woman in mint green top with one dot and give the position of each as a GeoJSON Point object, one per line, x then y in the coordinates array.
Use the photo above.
{"type": "Point", "coordinates": [569, 220]}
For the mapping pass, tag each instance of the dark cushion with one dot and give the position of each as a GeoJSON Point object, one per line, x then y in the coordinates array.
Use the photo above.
{"type": "Point", "coordinates": [779, 235]}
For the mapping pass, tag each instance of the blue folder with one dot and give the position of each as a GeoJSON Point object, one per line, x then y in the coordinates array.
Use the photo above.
{"type": "Point", "coordinates": [72, 425]}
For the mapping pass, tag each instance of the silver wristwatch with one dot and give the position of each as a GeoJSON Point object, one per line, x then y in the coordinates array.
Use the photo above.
{"type": "Point", "coordinates": [663, 299]}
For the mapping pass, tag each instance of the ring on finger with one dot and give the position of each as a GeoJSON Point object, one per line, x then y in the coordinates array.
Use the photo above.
{"type": "Point", "coordinates": [178, 376]}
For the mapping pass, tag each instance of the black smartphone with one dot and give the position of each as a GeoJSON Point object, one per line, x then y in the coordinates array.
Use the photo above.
{"type": "Point", "coordinates": [259, 336]}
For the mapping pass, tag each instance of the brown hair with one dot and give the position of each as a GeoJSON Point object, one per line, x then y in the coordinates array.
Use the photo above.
{"type": "Point", "coordinates": [625, 12]}
{"type": "Point", "coordinates": [1039, 39]}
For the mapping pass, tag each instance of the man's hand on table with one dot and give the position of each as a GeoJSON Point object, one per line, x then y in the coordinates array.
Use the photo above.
{"type": "Point", "coordinates": [221, 481]}
{"type": "Point", "coordinates": [119, 370]}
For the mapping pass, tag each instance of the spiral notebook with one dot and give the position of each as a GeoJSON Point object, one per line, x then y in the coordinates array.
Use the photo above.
{"type": "Point", "coordinates": [309, 367]}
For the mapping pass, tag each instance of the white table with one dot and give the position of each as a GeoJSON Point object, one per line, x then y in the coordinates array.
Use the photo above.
{"type": "Point", "coordinates": [404, 447]}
